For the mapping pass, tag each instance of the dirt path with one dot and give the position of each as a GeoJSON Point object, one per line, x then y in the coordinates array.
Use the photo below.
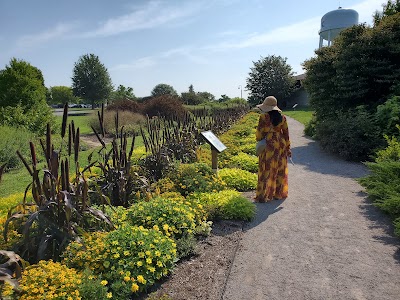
{"type": "Point", "coordinates": [325, 241]}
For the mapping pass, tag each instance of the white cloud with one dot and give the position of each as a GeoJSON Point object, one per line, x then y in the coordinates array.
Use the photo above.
{"type": "Point", "coordinates": [366, 9]}
{"type": "Point", "coordinates": [141, 63]}
{"type": "Point", "coordinates": [301, 31]}
{"type": "Point", "coordinates": [59, 31]}
{"type": "Point", "coordinates": [154, 14]}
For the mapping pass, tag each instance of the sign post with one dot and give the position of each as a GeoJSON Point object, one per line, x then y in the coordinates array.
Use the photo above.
{"type": "Point", "coordinates": [216, 147]}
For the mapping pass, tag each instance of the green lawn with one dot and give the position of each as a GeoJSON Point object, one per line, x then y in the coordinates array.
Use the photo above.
{"type": "Point", "coordinates": [81, 121]}
{"type": "Point", "coordinates": [17, 180]}
{"type": "Point", "coordinates": [302, 114]}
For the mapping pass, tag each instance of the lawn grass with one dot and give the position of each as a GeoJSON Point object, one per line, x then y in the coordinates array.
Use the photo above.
{"type": "Point", "coordinates": [81, 121]}
{"type": "Point", "coordinates": [16, 181]}
{"type": "Point", "coordinates": [302, 114]}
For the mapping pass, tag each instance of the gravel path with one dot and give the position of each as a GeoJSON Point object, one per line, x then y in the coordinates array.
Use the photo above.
{"type": "Point", "coordinates": [325, 241]}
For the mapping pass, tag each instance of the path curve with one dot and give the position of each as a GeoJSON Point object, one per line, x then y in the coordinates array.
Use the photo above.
{"type": "Point", "coordinates": [325, 241]}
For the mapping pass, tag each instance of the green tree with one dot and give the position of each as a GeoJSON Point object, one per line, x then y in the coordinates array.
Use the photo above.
{"type": "Point", "coordinates": [23, 97]}
{"type": "Point", "coordinates": [389, 9]}
{"type": "Point", "coordinates": [208, 97]}
{"type": "Point", "coordinates": [270, 75]}
{"type": "Point", "coordinates": [61, 95]}
{"type": "Point", "coordinates": [163, 89]}
{"type": "Point", "coordinates": [90, 80]}
{"type": "Point", "coordinates": [122, 93]}
{"type": "Point", "coordinates": [21, 84]}
{"type": "Point", "coordinates": [224, 98]}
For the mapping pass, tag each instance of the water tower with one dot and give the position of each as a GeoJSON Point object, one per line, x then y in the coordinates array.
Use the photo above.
{"type": "Point", "coordinates": [333, 22]}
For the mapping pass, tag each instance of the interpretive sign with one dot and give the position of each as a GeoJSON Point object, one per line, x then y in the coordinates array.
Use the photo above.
{"type": "Point", "coordinates": [216, 147]}
{"type": "Point", "coordinates": [213, 141]}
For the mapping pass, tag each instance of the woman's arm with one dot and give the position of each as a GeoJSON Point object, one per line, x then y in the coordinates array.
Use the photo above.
{"type": "Point", "coordinates": [260, 132]}
{"type": "Point", "coordinates": [285, 132]}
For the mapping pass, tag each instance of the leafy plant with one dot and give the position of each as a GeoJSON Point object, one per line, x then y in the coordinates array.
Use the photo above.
{"type": "Point", "coordinates": [60, 209]}
{"type": "Point", "coordinates": [196, 177]}
{"type": "Point", "coordinates": [10, 272]}
{"type": "Point", "coordinates": [227, 204]}
{"type": "Point", "coordinates": [119, 180]}
{"type": "Point", "coordinates": [128, 259]}
{"type": "Point", "coordinates": [391, 152]}
{"type": "Point", "coordinates": [238, 179]}
{"type": "Point", "coordinates": [173, 218]}
{"type": "Point", "coordinates": [245, 162]}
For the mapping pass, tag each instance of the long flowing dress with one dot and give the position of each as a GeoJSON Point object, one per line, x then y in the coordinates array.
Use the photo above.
{"type": "Point", "coordinates": [272, 162]}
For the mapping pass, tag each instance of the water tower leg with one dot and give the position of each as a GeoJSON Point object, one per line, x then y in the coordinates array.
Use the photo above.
{"type": "Point", "coordinates": [320, 42]}
{"type": "Point", "coordinates": [329, 38]}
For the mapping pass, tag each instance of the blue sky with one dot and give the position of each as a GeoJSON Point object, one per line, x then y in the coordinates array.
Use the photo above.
{"type": "Point", "coordinates": [208, 43]}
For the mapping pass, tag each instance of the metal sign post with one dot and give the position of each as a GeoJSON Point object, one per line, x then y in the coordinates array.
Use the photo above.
{"type": "Point", "coordinates": [216, 147]}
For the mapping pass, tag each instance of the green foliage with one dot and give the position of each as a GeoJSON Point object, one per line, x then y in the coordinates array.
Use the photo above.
{"type": "Point", "coordinates": [195, 177]}
{"type": "Point", "coordinates": [238, 179]}
{"type": "Point", "coordinates": [390, 8]}
{"type": "Point", "coordinates": [33, 119]}
{"type": "Point", "coordinates": [62, 95]}
{"type": "Point", "coordinates": [361, 68]}
{"type": "Point", "coordinates": [128, 259]}
{"type": "Point", "coordinates": [91, 288]}
{"type": "Point", "coordinates": [60, 209]}
{"type": "Point", "coordinates": [383, 185]}
{"type": "Point", "coordinates": [9, 144]}
{"type": "Point", "coordinates": [391, 152]}
{"type": "Point", "coordinates": [245, 161]}
{"type": "Point", "coordinates": [270, 75]}
{"type": "Point", "coordinates": [227, 205]}
{"type": "Point", "coordinates": [353, 135]}
{"type": "Point", "coordinates": [90, 79]}
{"type": "Point", "coordinates": [173, 218]}
{"type": "Point", "coordinates": [388, 116]}
{"type": "Point", "coordinates": [21, 84]}
{"type": "Point", "coordinates": [186, 246]}
{"type": "Point", "coordinates": [191, 99]}
{"type": "Point", "coordinates": [310, 128]}
{"type": "Point", "coordinates": [163, 89]}
{"type": "Point", "coordinates": [122, 93]}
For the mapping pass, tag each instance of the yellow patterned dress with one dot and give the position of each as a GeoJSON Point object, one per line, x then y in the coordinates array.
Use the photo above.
{"type": "Point", "coordinates": [272, 162]}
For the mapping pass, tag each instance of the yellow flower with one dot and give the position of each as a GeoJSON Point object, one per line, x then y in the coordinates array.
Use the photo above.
{"type": "Point", "coordinates": [104, 282]}
{"type": "Point", "coordinates": [157, 253]}
{"type": "Point", "coordinates": [134, 288]}
{"type": "Point", "coordinates": [141, 254]}
{"type": "Point", "coordinates": [155, 227]}
{"type": "Point", "coordinates": [139, 264]}
{"type": "Point", "coordinates": [126, 253]}
{"type": "Point", "coordinates": [141, 279]}
{"type": "Point", "coordinates": [127, 278]}
{"type": "Point", "coordinates": [109, 295]}
{"type": "Point", "coordinates": [165, 227]}
{"type": "Point", "coordinates": [148, 260]}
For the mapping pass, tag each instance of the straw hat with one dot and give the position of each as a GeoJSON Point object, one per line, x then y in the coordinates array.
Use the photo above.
{"type": "Point", "coordinates": [270, 103]}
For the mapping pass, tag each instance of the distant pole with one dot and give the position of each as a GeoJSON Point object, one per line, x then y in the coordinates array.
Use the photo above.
{"type": "Point", "coordinates": [240, 87]}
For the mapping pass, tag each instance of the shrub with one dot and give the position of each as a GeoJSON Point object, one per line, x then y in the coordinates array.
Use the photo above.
{"type": "Point", "coordinates": [125, 105]}
{"type": "Point", "coordinates": [310, 128]}
{"type": "Point", "coordinates": [49, 280]}
{"type": "Point", "coordinates": [128, 259]}
{"type": "Point", "coordinates": [196, 177]}
{"type": "Point", "coordinates": [245, 162]}
{"type": "Point", "coordinates": [228, 204]}
{"type": "Point", "coordinates": [238, 179]}
{"type": "Point", "coordinates": [33, 119]}
{"type": "Point", "coordinates": [173, 218]}
{"type": "Point", "coordinates": [353, 135]}
{"type": "Point", "coordinates": [130, 121]}
{"type": "Point", "coordinates": [388, 116]}
{"type": "Point", "coordinates": [383, 185]}
{"type": "Point", "coordinates": [167, 106]}
{"type": "Point", "coordinates": [391, 152]}
{"type": "Point", "coordinates": [13, 139]}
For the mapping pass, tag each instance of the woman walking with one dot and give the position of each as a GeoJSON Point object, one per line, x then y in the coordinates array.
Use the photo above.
{"type": "Point", "coordinates": [272, 161]}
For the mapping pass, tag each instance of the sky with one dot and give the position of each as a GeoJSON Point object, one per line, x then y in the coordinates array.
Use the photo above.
{"type": "Point", "coordinates": [210, 44]}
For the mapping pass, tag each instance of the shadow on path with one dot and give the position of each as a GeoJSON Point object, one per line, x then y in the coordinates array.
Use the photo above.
{"type": "Point", "coordinates": [263, 211]}
{"type": "Point", "coordinates": [381, 221]}
{"type": "Point", "coordinates": [329, 164]}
